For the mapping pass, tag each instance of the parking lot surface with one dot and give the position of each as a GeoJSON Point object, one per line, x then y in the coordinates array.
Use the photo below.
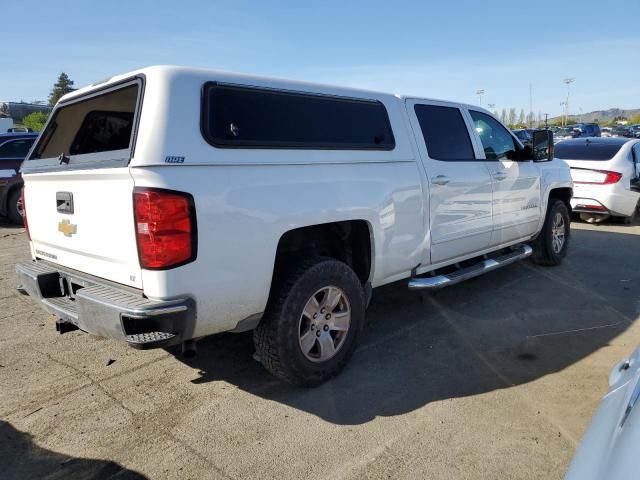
{"type": "Point", "coordinates": [497, 377]}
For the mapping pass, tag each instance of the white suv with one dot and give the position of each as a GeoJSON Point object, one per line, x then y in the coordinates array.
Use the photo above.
{"type": "Point", "coordinates": [172, 203]}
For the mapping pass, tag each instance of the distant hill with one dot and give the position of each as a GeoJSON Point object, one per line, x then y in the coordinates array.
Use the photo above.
{"type": "Point", "coordinates": [601, 115]}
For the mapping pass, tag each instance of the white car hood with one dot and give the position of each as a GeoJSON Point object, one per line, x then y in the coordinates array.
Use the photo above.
{"type": "Point", "coordinates": [609, 449]}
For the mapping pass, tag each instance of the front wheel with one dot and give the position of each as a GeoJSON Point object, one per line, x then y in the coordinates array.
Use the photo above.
{"type": "Point", "coordinates": [312, 322]}
{"type": "Point", "coordinates": [552, 243]}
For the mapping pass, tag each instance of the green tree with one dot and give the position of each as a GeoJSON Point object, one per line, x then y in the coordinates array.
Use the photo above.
{"type": "Point", "coordinates": [511, 118]}
{"type": "Point", "coordinates": [35, 121]}
{"type": "Point", "coordinates": [521, 118]}
{"type": "Point", "coordinates": [503, 115]}
{"type": "Point", "coordinates": [63, 86]}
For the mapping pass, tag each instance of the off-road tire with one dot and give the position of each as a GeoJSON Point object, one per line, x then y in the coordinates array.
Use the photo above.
{"type": "Point", "coordinates": [543, 252]}
{"type": "Point", "coordinates": [276, 338]}
{"type": "Point", "coordinates": [12, 207]}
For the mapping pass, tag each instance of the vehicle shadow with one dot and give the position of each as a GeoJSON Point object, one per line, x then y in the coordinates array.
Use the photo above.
{"type": "Point", "coordinates": [21, 458]}
{"type": "Point", "coordinates": [509, 327]}
{"type": "Point", "coordinates": [5, 223]}
{"type": "Point", "coordinates": [610, 221]}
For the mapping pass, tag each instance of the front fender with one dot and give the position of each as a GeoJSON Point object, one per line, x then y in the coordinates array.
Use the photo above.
{"type": "Point", "coordinates": [553, 175]}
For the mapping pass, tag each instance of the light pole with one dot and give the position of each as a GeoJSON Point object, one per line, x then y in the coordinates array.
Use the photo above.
{"type": "Point", "coordinates": [564, 111]}
{"type": "Point", "coordinates": [568, 81]}
{"type": "Point", "coordinates": [530, 105]}
{"type": "Point", "coordinates": [480, 93]}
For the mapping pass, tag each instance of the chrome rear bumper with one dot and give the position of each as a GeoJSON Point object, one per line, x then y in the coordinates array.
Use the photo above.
{"type": "Point", "coordinates": [107, 309]}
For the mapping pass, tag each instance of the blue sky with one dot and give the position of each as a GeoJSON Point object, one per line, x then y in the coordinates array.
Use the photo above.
{"type": "Point", "coordinates": [445, 49]}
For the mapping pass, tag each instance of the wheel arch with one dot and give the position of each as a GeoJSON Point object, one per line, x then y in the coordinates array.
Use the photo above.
{"type": "Point", "coordinates": [350, 241]}
{"type": "Point", "coordinates": [561, 193]}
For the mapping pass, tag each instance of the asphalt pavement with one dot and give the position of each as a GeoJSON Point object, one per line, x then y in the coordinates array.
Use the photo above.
{"type": "Point", "coordinates": [494, 378]}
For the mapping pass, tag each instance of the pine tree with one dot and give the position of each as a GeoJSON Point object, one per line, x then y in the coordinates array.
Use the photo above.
{"type": "Point", "coordinates": [521, 117]}
{"type": "Point", "coordinates": [63, 86]}
{"type": "Point", "coordinates": [512, 117]}
{"type": "Point", "coordinates": [503, 115]}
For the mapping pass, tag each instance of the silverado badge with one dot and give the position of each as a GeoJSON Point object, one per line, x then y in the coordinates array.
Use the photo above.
{"type": "Point", "coordinates": [68, 228]}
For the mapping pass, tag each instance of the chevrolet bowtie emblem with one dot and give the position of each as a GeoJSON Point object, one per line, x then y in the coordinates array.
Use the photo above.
{"type": "Point", "coordinates": [68, 228]}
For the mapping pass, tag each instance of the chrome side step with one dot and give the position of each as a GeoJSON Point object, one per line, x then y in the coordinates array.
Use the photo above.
{"type": "Point", "coordinates": [484, 266]}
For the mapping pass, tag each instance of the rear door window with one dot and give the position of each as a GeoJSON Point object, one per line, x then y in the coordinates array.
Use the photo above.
{"type": "Point", "coordinates": [445, 133]}
{"type": "Point", "coordinates": [94, 129]}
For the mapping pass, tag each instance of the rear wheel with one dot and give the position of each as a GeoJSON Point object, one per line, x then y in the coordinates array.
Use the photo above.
{"type": "Point", "coordinates": [15, 210]}
{"type": "Point", "coordinates": [312, 323]}
{"type": "Point", "coordinates": [552, 243]}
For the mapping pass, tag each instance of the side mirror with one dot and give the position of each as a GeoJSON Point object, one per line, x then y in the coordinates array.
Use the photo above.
{"type": "Point", "coordinates": [542, 146]}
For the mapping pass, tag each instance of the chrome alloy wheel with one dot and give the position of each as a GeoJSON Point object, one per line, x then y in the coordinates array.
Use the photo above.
{"type": "Point", "coordinates": [324, 324]}
{"type": "Point", "coordinates": [558, 233]}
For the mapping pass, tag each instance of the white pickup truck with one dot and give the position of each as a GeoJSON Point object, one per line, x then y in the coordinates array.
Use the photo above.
{"type": "Point", "coordinates": [172, 203]}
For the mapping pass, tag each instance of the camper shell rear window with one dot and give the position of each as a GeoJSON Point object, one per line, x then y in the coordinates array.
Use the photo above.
{"type": "Point", "coordinates": [100, 124]}
{"type": "Point", "coordinates": [249, 117]}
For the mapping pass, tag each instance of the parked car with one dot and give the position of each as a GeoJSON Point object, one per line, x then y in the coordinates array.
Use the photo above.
{"type": "Point", "coordinates": [635, 130]}
{"type": "Point", "coordinates": [19, 130]}
{"type": "Point", "coordinates": [171, 203]}
{"type": "Point", "coordinates": [605, 132]}
{"type": "Point", "coordinates": [605, 172]}
{"type": "Point", "coordinates": [525, 135]}
{"type": "Point", "coordinates": [13, 149]}
{"type": "Point", "coordinates": [584, 130]}
{"type": "Point", "coordinates": [609, 449]}
{"type": "Point", "coordinates": [562, 133]}
{"type": "Point", "coordinates": [622, 131]}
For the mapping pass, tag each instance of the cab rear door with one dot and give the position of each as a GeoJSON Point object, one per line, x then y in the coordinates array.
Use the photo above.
{"type": "Point", "coordinates": [459, 183]}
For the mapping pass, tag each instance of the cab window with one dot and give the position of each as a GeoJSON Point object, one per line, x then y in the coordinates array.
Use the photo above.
{"type": "Point", "coordinates": [496, 140]}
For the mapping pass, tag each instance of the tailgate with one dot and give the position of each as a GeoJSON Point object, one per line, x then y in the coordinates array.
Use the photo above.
{"type": "Point", "coordinates": [96, 233]}
{"type": "Point", "coordinates": [78, 188]}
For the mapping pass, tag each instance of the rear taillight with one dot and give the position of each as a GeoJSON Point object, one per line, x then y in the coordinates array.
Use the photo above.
{"type": "Point", "coordinates": [24, 214]}
{"type": "Point", "coordinates": [595, 177]}
{"type": "Point", "coordinates": [165, 227]}
{"type": "Point", "coordinates": [590, 207]}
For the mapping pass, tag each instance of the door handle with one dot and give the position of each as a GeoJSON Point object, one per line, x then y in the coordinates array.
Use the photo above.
{"type": "Point", "coordinates": [440, 180]}
{"type": "Point", "coordinates": [500, 175]}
